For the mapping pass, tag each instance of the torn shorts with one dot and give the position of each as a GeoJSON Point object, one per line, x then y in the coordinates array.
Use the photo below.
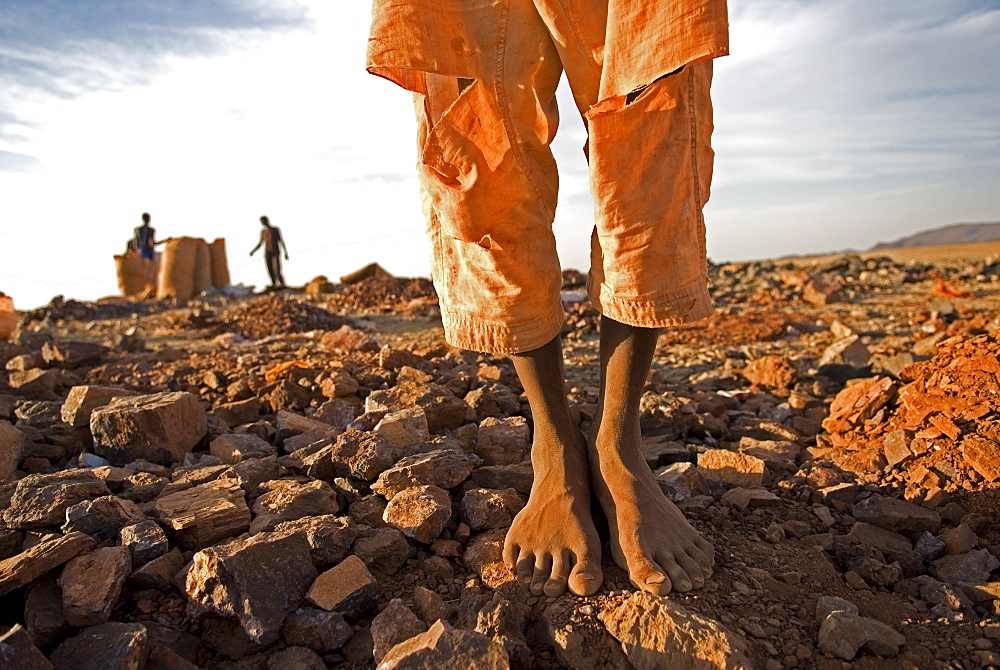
{"type": "Point", "coordinates": [484, 74]}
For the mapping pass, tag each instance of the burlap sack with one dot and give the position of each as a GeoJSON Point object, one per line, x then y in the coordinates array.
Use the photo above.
{"type": "Point", "coordinates": [177, 269]}
{"type": "Point", "coordinates": [202, 268]}
{"type": "Point", "coordinates": [8, 317]}
{"type": "Point", "coordinates": [134, 273]}
{"type": "Point", "coordinates": [220, 264]}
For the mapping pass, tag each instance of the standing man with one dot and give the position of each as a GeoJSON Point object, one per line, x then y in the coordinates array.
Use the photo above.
{"type": "Point", "coordinates": [274, 245]}
{"type": "Point", "coordinates": [484, 75]}
{"type": "Point", "coordinates": [145, 238]}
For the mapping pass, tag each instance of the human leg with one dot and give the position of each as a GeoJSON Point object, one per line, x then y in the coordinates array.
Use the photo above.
{"type": "Point", "coordinates": [269, 261]}
{"type": "Point", "coordinates": [650, 538]}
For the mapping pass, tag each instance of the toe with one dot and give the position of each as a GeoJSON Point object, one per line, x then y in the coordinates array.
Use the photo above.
{"type": "Point", "coordinates": [525, 568]}
{"type": "Point", "coordinates": [555, 585]}
{"type": "Point", "coordinates": [694, 570]}
{"type": "Point", "coordinates": [704, 562]}
{"type": "Point", "coordinates": [543, 568]}
{"type": "Point", "coordinates": [511, 551]}
{"type": "Point", "coordinates": [648, 576]}
{"type": "Point", "coordinates": [678, 576]}
{"type": "Point", "coordinates": [585, 577]}
{"type": "Point", "coordinates": [706, 548]}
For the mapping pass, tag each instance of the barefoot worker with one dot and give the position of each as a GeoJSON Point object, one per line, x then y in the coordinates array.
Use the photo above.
{"type": "Point", "coordinates": [270, 238]}
{"type": "Point", "coordinates": [485, 76]}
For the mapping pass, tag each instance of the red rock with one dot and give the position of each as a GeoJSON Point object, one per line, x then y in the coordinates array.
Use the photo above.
{"type": "Point", "coordinates": [32, 563]}
{"type": "Point", "coordinates": [234, 448]}
{"type": "Point", "coordinates": [896, 515]}
{"type": "Point", "coordinates": [770, 371]}
{"type": "Point", "coordinates": [383, 549]}
{"type": "Point", "coordinates": [444, 468]}
{"type": "Point", "coordinates": [17, 651]}
{"type": "Point", "coordinates": [444, 411]}
{"type": "Point", "coordinates": [159, 573]}
{"type": "Point", "coordinates": [483, 509]}
{"type": "Point", "coordinates": [91, 584]}
{"type": "Point", "coordinates": [205, 514]}
{"type": "Point", "coordinates": [107, 646]}
{"type": "Point", "coordinates": [14, 446]}
{"type": "Point", "coordinates": [843, 635]}
{"type": "Point", "coordinates": [430, 607]}
{"type": "Point", "coordinates": [161, 428]}
{"type": "Point", "coordinates": [238, 412]}
{"type": "Point", "coordinates": [347, 587]}
{"type": "Point", "coordinates": [321, 631]}
{"type": "Point", "coordinates": [503, 441]}
{"type": "Point", "coordinates": [420, 512]}
{"type": "Point", "coordinates": [290, 500]}
{"type": "Point", "coordinates": [329, 537]}
{"type": "Point", "coordinates": [83, 400]}
{"type": "Point", "coordinates": [346, 338]}
{"type": "Point", "coordinates": [959, 540]}
{"type": "Point", "coordinates": [34, 383]}
{"type": "Point", "coordinates": [405, 427]}
{"type": "Point", "coordinates": [484, 555]}
{"type": "Point", "coordinates": [444, 646]}
{"type": "Point", "coordinates": [859, 402]}
{"type": "Point", "coordinates": [42, 500]}
{"type": "Point", "coordinates": [394, 624]}
{"type": "Point", "coordinates": [983, 455]}
{"type": "Point", "coordinates": [73, 354]}
{"type": "Point", "coordinates": [730, 467]}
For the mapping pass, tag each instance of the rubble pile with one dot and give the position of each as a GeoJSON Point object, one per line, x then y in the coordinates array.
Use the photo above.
{"type": "Point", "coordinates": [380, 293]}
{"type": "Point", "coordinates": [326, 499]}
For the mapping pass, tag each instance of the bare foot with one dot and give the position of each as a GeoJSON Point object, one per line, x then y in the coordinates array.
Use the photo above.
{"type": "Point", "coordinates": [552, 543]}
{"type": "Point", "coordinates": [650, 538]}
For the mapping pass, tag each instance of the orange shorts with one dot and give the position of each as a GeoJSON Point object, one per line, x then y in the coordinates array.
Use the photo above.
{"type": "Point", "coordinates": [484, 74]}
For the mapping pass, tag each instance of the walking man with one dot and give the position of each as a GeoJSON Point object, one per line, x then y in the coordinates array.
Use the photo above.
{"type": "Point", "coordinates": [274, 245]}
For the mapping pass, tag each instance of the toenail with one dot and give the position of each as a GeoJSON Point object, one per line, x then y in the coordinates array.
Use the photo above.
{"type": "Point", "coordinates": [588, 577]}
{"type": "Point", "coordinates": [656, 579]}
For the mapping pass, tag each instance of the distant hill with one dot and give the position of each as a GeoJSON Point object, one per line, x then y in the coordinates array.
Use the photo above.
{"type": "Point", "coordinates": [956, 233]}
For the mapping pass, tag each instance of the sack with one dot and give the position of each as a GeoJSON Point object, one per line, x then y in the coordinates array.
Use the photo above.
{"type": "Point", "coordinates": [202, 268]}
{"type": "Point", "coordinates": [177, 270]}
{"type": "Point", "coordinates": [135, 274]}
{"type": "Point", "coordinates": [8, 317]}
{"type": "Point", "coordinates": [220, 265]}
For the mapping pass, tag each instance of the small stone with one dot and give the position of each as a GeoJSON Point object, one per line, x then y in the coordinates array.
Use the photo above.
{"type": "Point", "coordinates": [443, 409]}
{"type": "Point", "coordinates": [730, 467]}
{"type": "Point", "coordinates": [420, 512]}
{"type": "Point", "coordinates": [503, 441]}
{"type": "Point", "coordinates": [145, 541]}
{"type": "Point", "coordinates": [18, 651]}
{"type": "Point", "coordinates": [983, 455]}
{"type": "Point", "coordinates": [383, 549]}
{"type": "Point", "coordinates": [483, 509]}
{"type": "Point", "coordinates": [776, 452]}
{"type": "Point", "coordinates": [896, 515]}
{"type": "Point", "coordinates": [444, 468]}
{"type": "Point", "coordinates": [880, 538]}
{"type": "Point", "coordinates": [234, 448]}
{"type": "Point", "coordinates": [770, 371]}
{"type": "Point", "coordinates": [239, 412]}
{"type": "Point", "coordinates": [321, 631]}
{"type": "Point", "coordinates": [102, 518]}
{"type": "Point", "coordinates": [83, 400]}
{"type": "Point", "coordinates": [928, 546]}
{"type": "Point", "coordinates": [444, 646]}
{"type": "Point", "coordinates": [158, 573]}
{"type": "Point", "coordinates": [844, 634]}
{"type": "Point", "coordinates": [91, 584]}
{"type": "Point", "coordinates": [42, 500]}
{"type": "Point", "coordinates": [161, 428]}
{"type": "Point", "coordinates": [330, 537]}
{"type": "Point", "coordinates": [430, 607]}
{"type": "Point", "coordinates": [517, 476]}
{"type": "Point", "coordinates": [394, 624]}
{"type": "Point", "coordinates": [107, 646]}
{"type": "Point", "coordinates": [681, 481]}
{"type": "Point", "coordinates": [896, 447]}
{"type": "Point", "coordinates": [205, 514]}
{"type": "Point", "coordinates": [484, 555]}
{"type": "Point", "coordinates": [404, 427]}
{"type": "Point", "coordinates": [290, 500]}
{"type": "Point", "coordinates": [347, 587]}
{"type": "Point", "coordinates": [750, 498]}
{"type": "Point", "coordinates": [295, 658]}
{"type": "Point", "coordinates": [14, 446]}
{"type": "Point", "coordinates": [959, 540]}
{"type": "Point", "coordinates": [974, 566]}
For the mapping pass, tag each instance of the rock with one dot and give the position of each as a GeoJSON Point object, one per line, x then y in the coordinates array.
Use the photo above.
{"type": "Point", "coordinates": [404, 427]}
{"type": "Point", "coordinates": [934, 592]}
{"type": "Point", "coordinates": [827, 605]}
{"type": "Point", "coordinates": [14, 446]}
{"type": "Point", "coordinates": [849, 351]}
{"type": "Point", "coordinates": [770, 371]}
{"type": "Point", "coordinates": [234, 448]}
{"type": "Point", "coordinates": [383, 549]}
{"type": "Point", "coordinates": [680, 481]}
{"type": "Point", "coordinates": [336, 413]}
{"type": "Point", "coordinates": [83, 400]}
{"type": "Point", "coordinates": [928, 546]}
{"type": "Point", "coordinates": [144, 541]}
{"type": "Point", "coordinates": [886, 541]}
{"type": "Point", "coordinates": [749, 498]}
{"type": "Point", "coordinates": [258, 580]}
{"type": "Point", "coordinates": [984, 592]}
{"type": "Point", "coordinates": [483, 509]}
{"type": "Point", "coordinates": [347, 587]}
{"type": "Point", "coordinates": [330, 537]}
{"type": "Point", "coordinates": [818, 292]}
{"type": "Point", "coordinates": [443, 468]}
{"type": "Point", "coordinates": [443, 409]}
{"type": "Point", "coordinates": [102, 518]}
{"type": "Point", "coordinates": [974, 566]}
{"type": "Point", "coordinates": [484, 555]}
{"type": "Point", "coordinates": [982, 455]}
{"type": "Point", "coordinates": [291, 500]}
{"type": "Point", "coordinates": [91, 584]}
{"type": "Point", "coordinates": [338, 384]}
{"type": "Point", "coordinates": [776, 452]}
{"type": "Point", "coordinates": [321, 631]}
{"type": "Point", "coordinates": [896, 515]}
{"type": "Point", "coordinates": [844, 634]}
{"type": "Point", "coordinates": [430, 607]}
{"type": "Point", "coordinates": [394, 624]}
{"type": "Point", "coordinates": [504, 621]}
{"type": "Point", "coordinates": [858, 403]}
{"type": "Point", "coordinates": [363, 455]}
{"type": "Point", "coordinates": [896, 447]}
{"type": "Point", "coordinates": [346, 338]}
{"type": "Point", "coordinates": [659, 633]}
{"type": "Point", "coordinates": [73, 354]}
{"type": "Point", "coordinates": [580, 642]}
{"type": "Point", "coordinates": [107, 646]}
{"type": "Point", "coordinates": [42, 500]}
{"type": "Point", "coordinates": [518, 476]}
{"type": "Point", "coordinates": [445, 647]}
{"type": "Point", "coordinates": [503, 441]}
{"type": "Point", "coordinates": [161, 428]}
{"type": "Point", "coordinates": [34, 383]}
{"type": "Point", "coordinates": [295, 658]}
{"type": "Point", "coordinates": [205, 514]}
{"type": "Point", "coordinates": [420, 512]}
{"type": "Point", "coordinates": [959, 540]}
{"type": "Point", "coordinates": [159, 573]}
{"type": "Point", "coordinates": [18, 651]}
{"type": "Point", "coordinates": [730, 467]}
{"type": "Point", "coordinates": [238, 412]}
{"type": "Point", "coordinates": [254, 472]}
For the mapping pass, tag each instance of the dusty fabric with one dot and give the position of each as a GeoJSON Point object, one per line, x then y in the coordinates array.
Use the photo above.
{"type": "Point", "coordinates": [484, 75]}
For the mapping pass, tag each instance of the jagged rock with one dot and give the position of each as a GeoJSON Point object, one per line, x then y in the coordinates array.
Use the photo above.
{"type": "Point", "coordinates": [254, 472]}
{"type": "Point", "coordinates": [14, 446]}
{"type": "Point", "coordinates": [444, 410]}
{"type": "Point", "coordinates": [896, 447]}
{"type": "Point", "coordinates": [102, 518]}
{"type": "Point", "coordinates": [227, 638]}
{"type": "Point", "coordinates": [73, 354]}
{"type": "Point", "coordinates": [886, 541]}
{"type": "Point", "coordinates": [83, 400]}
{"type": "Point", "coordinates": [859, 402]}
{"type": "Point", "coordinates": [291, 500]}
{"type": "Point", "coordinates": [504, 621]}
{"type": "Point", "coordinates": [776, 452]}
{"type": "Point", "coordinates": [347, 587]}
{"type": "Point", "coordinates": [383, 549]}
{"type": "Point", "coordinates": [928, 546]}
{"type": "Point", "coordinates": [234, 448]}
{"type": "Point", "coordinates": [503, 441]}
{"type": "Point", "coordinates": [747, 498]}
{"type": "Point", "coordinates": [444, 468]}
{"type": "Point", "coordinates": [18, 651]}
{"type": "Point", "coordinates": [430, 607]}
{"type": "Point", "coordinates": [658, 633]}
{"type": "Point", "coordinates": [680, 481]}
{"type": "Point", "coordinates": [91, 584]}
{"type": "Point", "coordinates": [361, 455]}
{"type": "Point", "coordinates": [848, 352]}
{"type": "Point", "coordinates": [518, 476]}
{"type": "Point", "coordinates": [107, 646]}
{"type": "Point", "coordinates": [770, 371]}
{"type": "Point", "coordinates": [43, 612]}
{"type": "Point", "coordinates": [321, 631]}
{"type": "Point", "coordinates": [346, 338]}
{"type": "Point", "coordinates": [827, 605]}
{"type": "Point", "coordinates": [142, 487]}
{"type": "Point", "coordinates": [329, 537]}
{"type": "Point", "coordinates": [204, 514]}
{"type": "Point", "coordinates": [42, 500]}
{"type": "Point", "coordinates": [844, 634]}
{"type": "Point", "coordinates": [394, 624]}
{"type": "Point", "coordinates": [982, 455]}
{"type": "Point", "coordinates": [238, 412]}
{"type": "Point", "coordinates": [580, 642]}
{"type": "Point", "coordinates": [35, 383]}
{"type": "Point", "coordinates": [934, 592]}
{"type": "Point", "coordinates": [974, 566]}
{"type": "Point", "coordinates": [420, 512]}
{"type": "Point", "coordinates": [404, 427]}
{"type": "Point", "coordinates": [730, 467]}
{"type": "Point", "coordinates": [896, 515]}
{"type": "Point", "coordinates": [484, 555]}
{"type": "Point", "coordinates": [258, 580]}
{"type": "Point", "coordinates": [295, 658]}
{"type": "Point", "coordinates": [959, 540]}
{"type": "Point", "coordinates": [145, 541]}
{"type": "Point", "coordinates": [492, 399]}
{"type": "Point", "coordinates": [483, 509]}
{"type": "Point", "coordinates": [444, 646]}
{"type": "Point", "coordinates": [159, 573]}
{"type": "Point", "coordinates": [161, 428]}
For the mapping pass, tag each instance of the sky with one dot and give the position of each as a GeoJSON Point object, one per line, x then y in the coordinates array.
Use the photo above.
{"type": "Point", "coordinates": [839, 124]}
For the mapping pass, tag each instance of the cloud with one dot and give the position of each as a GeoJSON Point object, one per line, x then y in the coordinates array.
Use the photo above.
{"type": "Point", "coordinates": [11, 161]}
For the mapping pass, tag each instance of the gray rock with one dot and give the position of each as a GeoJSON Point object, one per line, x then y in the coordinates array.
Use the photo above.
{"type": "Point", "coordinates": [347, 587]}
{"type": "Point", "coordinates": [321, 631]}
{"type": "Point", "coordinates": [40, 501]}
{"type": "Point", "coordinates": [394, 624]}
{"type": "Point", "coordinates": [107, 646]}
{"type": "Point", "coordinates": [145, 542]}
{"type": "Point", "coordinates": [161, 428]}
{"type": "Point", "coordinates": [844, 634]}
{"type": "Point", "coordinates": [102, 518]}
{"type": "Point", "coordinates": [18, 651]}
{"type": "Point", "coordinates": [442, 647]}
{"type": "Point", "coordinates": [974, 566]}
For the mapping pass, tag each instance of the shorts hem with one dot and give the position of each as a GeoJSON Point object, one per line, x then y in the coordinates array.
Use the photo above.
{"type": "Point", "coordinates": [657, 310]}
{"type": "Point", "coordinates": [474, 334]}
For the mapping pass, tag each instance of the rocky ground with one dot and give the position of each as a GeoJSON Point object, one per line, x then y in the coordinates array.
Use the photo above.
{"type": "Point", "coordinates": [317, 481]}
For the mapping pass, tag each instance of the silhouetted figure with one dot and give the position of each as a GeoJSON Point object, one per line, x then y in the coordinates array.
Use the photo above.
{"type": "Point", "coordinates": [270, 237]}
{"type": "Point", "coordinates": [144, 239]}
